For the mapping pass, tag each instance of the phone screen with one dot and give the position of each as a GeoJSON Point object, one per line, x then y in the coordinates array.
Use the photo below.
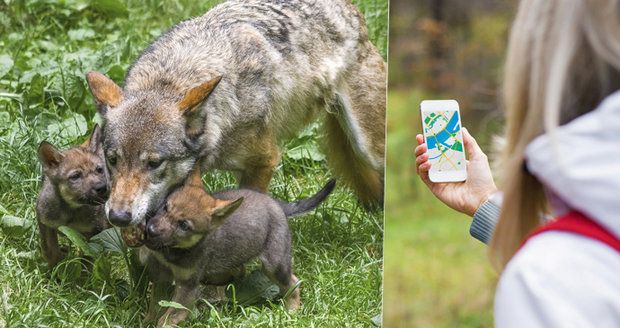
{"type": "Point", "coordinates": [442, 130]}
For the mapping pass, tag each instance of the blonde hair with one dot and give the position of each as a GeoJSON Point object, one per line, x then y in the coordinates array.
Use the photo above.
{"type": "Point", "coordinates": [563, 59]}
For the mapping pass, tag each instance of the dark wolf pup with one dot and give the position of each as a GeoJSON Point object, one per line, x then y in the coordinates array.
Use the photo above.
{"type": "Point", "coordinates": [231, 87]}
{"type": "Point", "coordinates": [75, 188]}
{"type": "Point", "coordinates": [198, 238]}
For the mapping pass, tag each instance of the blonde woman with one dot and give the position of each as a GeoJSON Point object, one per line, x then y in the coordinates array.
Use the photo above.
{"type": "Point", "coordinates": [561, 160]}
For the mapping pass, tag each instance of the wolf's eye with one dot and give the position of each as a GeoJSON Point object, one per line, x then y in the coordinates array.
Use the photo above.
{"type": "Point", "coordinates": [75, 176]}
{"type": "Point", "coordinates": [99, 169]}
{"type": "Point", "coordinates": [112, 160]}
{"type": "Point", "coordinates": [154, 164]}
{"type": "Point", "coordinates": [183, 225]}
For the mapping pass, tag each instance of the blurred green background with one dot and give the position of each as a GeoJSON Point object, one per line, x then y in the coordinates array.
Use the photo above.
{"type": "Point", "coordinates": [435, 274]}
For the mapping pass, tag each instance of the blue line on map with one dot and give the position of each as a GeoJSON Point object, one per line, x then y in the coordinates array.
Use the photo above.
{"type": "Point", "coordinates": [452, 127]}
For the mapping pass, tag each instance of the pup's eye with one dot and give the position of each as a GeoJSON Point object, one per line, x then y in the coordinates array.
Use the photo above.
{"type": "Point", "coordinates": [112, 160]}
{"type": "Point", "coordinates": [154, 164]}
{"type": "Point", "coordinates": [99, 169]}
{"type": "Point", "coordinates": [166, 207]}
{"type": "Point", "coordinates": [75, 176]}
{"type": "Point", "coordinates": [183, 225]}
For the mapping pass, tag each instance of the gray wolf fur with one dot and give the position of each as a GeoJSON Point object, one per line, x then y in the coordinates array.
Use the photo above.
{"type": "Point", "coordinates": [75, 187]}
{"type": "Point", "coordinates": [230, 87]}
{"type": "Point", "coordinates": [198, 238]}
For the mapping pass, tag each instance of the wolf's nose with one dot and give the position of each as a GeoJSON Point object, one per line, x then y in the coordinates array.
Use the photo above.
{"type": "Point", "coordinates": [119, 218]}
{"type": "Point", "coordinates": [151, 231]}
{"type": "Point", "coordinates": [101, 190]}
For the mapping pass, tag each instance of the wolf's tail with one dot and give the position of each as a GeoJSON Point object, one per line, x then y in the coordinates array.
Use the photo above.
{"type": "Point", "coordinates": [304, 205]}
{"type": "Point", "coordinates": [354, 139]}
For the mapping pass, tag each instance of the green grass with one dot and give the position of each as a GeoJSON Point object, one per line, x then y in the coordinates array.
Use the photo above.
{"type": "Point", "coordinates": [45, 49]}
{"type": "Point", "coordinates": [436, 275]}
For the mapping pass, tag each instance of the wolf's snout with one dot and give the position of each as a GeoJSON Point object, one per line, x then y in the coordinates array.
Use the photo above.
{"type": "Point", "coordinates": [119, 218]}
{"type": "Point", "coordinates": [101, 189]}
{"type": "Point", "coordinates": [152, 231]}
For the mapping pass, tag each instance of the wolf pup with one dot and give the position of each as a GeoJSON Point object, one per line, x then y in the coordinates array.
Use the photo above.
{"type": "Point", "coordinates": [233, 85]}
{"type": "Point", "coordinates": [75, 188]}
{"type": "Point", "coordinates": [200, 238]}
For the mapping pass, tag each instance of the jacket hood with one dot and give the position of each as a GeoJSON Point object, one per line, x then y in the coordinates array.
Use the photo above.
{"type": "Point", "coordinates": [579, 164]}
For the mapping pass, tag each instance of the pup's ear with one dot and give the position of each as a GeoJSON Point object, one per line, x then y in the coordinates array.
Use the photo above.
{"type": "Point", "coordinates": [224, 208]}
{"type": "Point", "coordinates": [195, 177]}
{"type": "Point", "coordinates": [197, 95]}
{"type": "Point", "coordinates": [107, 94]}
{"type": "Point", "coordinates": [93, 144]}
{"type": "Point", "coordinates": [49, 156]}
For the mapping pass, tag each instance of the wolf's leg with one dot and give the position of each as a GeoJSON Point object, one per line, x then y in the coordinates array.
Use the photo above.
{"type": "Point", "coordinates": [260, 165]}
{"type": "Point", "coordinates": [185, 293]}
{"type": "Point", "coordinates": [278, 266]}
{"type": "Point", "coordinates": [286, 280]}
{"type": "Point", "coordinates": [355, 130]}
{"type": "Point", "coordinates": [49, 245]}
{"type": "Point", "coordinates": [161, 289]}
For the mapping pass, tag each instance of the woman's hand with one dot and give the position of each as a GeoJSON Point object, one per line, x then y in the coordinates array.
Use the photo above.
{"type": "Point", "coordinates": [466, 196]}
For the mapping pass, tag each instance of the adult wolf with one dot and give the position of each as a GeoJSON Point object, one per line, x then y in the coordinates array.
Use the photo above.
{"type": "Point", "coordinates": [230, 87]}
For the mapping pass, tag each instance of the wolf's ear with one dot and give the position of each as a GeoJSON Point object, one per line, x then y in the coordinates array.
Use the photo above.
{"type": "Point", "coordinates": [195, 177]}
{"type": "Point", "coordinates": [107, 94]}
{"type": "Point", "coordinates": [224, 208]}
{"type": "Point", "coordinates": [49, 156]}
{"type": "Point", "coordinates": [93, 144]}
{"type": "Point", "coordinates": [197, 95]}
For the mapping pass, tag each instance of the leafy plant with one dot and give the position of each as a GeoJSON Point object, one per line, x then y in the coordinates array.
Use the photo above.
{"type": "Point", "coordinates": [100, 246]}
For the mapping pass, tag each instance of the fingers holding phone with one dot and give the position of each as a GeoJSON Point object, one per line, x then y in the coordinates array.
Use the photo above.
{"type": "Point", "coordinates": [461, 184]}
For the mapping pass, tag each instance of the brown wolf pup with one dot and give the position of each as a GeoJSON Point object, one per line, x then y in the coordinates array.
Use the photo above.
{"type": "Point", "coordinates": [74, 190]}
{"type": "Point", "coordinates": [198, 238]}
{"type": "Point", "coordinates": [230, 87]}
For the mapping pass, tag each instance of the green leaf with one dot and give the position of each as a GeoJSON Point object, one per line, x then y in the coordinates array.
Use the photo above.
{"type": "Point", "coordinates": [81, 34]}
{"type": "Point", "coordinates": [310, 131]}
{"type": "Point", "coordinates": [174, 305]}
{"type": "Point", "coordinates": [78, 240]}
{"type": "Point", "coordinates": [254, 288]}
{"type": "Point", "coordinates": [116, 72]}
{"type": "Point", "coordinates": [37, 87]}
{"type": "Point", "coordinates": [306, 151]}
{"type": "Point", "coordinates": [70, 128]}
{"type": "Point", "coordinates": [102, 269]}
{"type": "Point", "coordinates": [110, 7]}
{"type": "Point", "coordinates": [15, 226]}
{"type": "Point", "coordinates": [126, 53]}
{"type": "Point", "coordinates": [110, 240]}
{"type": "Point", "coordinates": [6, 63]}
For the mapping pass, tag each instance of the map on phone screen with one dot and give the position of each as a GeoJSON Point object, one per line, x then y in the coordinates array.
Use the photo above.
{"type": "Point", "coordinates": [443, 139]}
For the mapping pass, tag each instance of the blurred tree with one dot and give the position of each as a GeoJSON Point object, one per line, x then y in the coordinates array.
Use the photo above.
{"type": "Point", "coordinates": [451, 49]}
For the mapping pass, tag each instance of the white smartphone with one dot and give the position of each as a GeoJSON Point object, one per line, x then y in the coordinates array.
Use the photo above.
{"type": "Point", "coordinates": [441, 123]}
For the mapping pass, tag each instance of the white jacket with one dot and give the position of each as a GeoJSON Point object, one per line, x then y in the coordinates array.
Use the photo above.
{"type": "Point", "coordinates": [561, 279]}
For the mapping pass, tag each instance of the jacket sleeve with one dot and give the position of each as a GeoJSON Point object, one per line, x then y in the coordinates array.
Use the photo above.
{"type": "Point", "coordinates": [485, 218]}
